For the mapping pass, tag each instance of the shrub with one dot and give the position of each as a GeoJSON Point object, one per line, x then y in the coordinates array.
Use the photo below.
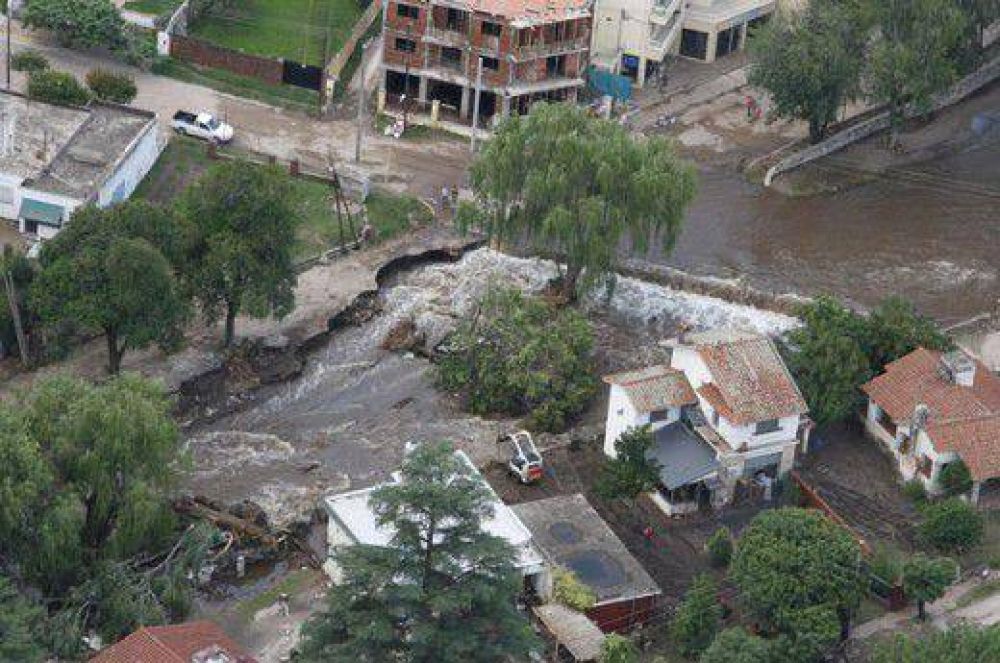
{"type": "Point", "coordinates": [111, 86]}
{"type": "Point", "coordinates": [29, 61]}
{"type": "Point", "coordinates": [618, 649]}
{"type": "Point", "coordinates": [520, 355]}
{"type": "Point", "coordinates": [952, 525]}
{"type": "Point", "coordinates": [572, 593]}
{"type": "Point", "coordinates": [57, 87]}
{"type": "Point", "coordinates": [955, 479]}
{"type": "Point", "coordinates": [886, 562]}
{"type": "Point", "coordinates": [697, 618]}
{"type": "Point", "coordinates": [914, 491]}
{"type": "Point", "coordinates": [720, 547]}
{"type": "Point", "coordinates": [632, 470]}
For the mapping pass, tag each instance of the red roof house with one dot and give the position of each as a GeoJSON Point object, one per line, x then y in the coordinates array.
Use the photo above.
{"type": "Point", "coordinates": [191, 642]}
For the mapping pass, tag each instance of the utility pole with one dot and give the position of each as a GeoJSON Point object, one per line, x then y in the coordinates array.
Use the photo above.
{"type": "Point", "coordinates": [8, 15]}
{"type": "Point", "coordinates": [361, 104]}
{"type": "Point", "coordinates": [475, 104]}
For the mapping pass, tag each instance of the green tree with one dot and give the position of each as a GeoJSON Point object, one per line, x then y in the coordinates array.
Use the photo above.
{"type": "Point", "coordinates": [618, 649]}
{"type": "Point", "coordinates": [77, 23]}
{"type": "Point", "coordinates": [981, 14]}
{"type": "Point", "coordinates": [912, 57]}
{"type": "Point", "coordinates": [809, 61]}
{"type": "Point", "coordinates": [955, 478]}
{"type": "Point", "coordinates": [21, 623]}
{"type": "Point", "coordinates": [442, 589]}
{"type": "Point", "coordinates": [697, 619]}
{"type": "Point", "coordinates": [737, 645]}
{"type": "Point", "coordinates": [15, 270]}
{"type": "Point", "coordinates": [633, 470]}
{"type": "Point", "coordinates": [952, 525]}
{"type": "Point", "coordinates": [895, 329]}
{"type": "Point", "coordinates": [520, 355]}
{"type": "Point", "coordinates": [962, 643]}
{"type": "Point", "coordinates": [575, 187]}
{"type": "Point", "coordinates": [791, 559]}
{"type": "Point", "coordinates": [106, 272]}
{"type": "Point", "coordinates": [568, 590]}
{"type": "Point", "coordinates": [240, 258]}
{"type": "Point", "coordinates": [720, 547]}
{"type": "Point", "coordinates": [826, 359]}
{"type": "Point", "coordinates": [809, 634]}
{"type": "Point", "coordinates": [925, 580]}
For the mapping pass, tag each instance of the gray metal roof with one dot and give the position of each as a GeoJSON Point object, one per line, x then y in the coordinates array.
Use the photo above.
{"type": "Point", "coordinates": [683, 456]}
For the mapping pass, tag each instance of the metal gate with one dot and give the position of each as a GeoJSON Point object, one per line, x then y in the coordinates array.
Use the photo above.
{"type": "Point", "coordinates": [302, 75]}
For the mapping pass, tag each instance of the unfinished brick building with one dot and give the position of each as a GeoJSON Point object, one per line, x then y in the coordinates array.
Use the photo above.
{"type": "Point", "coordinates": [530, 49]}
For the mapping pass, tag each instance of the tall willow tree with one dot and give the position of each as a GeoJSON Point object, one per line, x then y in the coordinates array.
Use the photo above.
{"type": "Point", "coordinates": [576, 187]}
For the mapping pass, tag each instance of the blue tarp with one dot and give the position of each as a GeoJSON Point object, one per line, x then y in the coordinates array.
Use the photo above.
{"type": "Point", "coordinates": [604, 82]}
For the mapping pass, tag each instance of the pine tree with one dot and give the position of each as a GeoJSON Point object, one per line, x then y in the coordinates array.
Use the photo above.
{"type": "Point", "coordinates": [442, 590]}
{"type": "Point", "coordinates": [698, 617]}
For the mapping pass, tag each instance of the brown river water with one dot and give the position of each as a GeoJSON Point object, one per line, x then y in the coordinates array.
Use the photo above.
{"type": "Point", "coordinates": [929, 232]}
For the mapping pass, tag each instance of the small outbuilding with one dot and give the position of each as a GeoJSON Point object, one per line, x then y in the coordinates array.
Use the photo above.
{"type": "Point", "coordinates": [573, 535]}
{"type": "Point", "coordinates": [574, 635]}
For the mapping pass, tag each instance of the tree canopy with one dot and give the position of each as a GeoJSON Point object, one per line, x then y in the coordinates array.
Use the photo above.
{"type": "Point", "coordinates": [809, 61]}
{"type": "Point", "coordinates": [962, 643]}
{"type": "Point", "coordinates": [951, 525]}
{"type": "Point", "coordinates": [697, 618]}
{"type": "Point", "coordinates": [240, 258]}
{"type": "Point", "coordinates": [737, 645]}
{"type": "Point", "coordinates": [443, 588]}
{"type": "Point", "coordinates": [78, 23]}
{"type": "Point", "coordinates": [521, 355]}
{"type": "Point", "coordinates": [791, 565]}
{"type": "Point", "coordinates": [575, 187]}
{"type": "Point", "coordinates": [109, 271]}
{"type": "Point", "coordinates": [632, 471]}
{"type": "Point", "coordinates": [20, 626]}
{"type": "Point", "coordinates": [925, 579]}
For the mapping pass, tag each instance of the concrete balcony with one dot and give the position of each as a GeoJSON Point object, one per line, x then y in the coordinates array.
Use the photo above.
{"type": "Point", "coordinates": [564, 46]}
{"type": "Point", "coordinates": [458, 38]}
{"type": "Point", "coordinates": [663, 37]}
{"type": "Point", "coordinates": [664, 12]}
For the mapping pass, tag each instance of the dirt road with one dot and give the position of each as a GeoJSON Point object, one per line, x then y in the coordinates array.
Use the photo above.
{"type": "Point", "coordinates": [419, 167]}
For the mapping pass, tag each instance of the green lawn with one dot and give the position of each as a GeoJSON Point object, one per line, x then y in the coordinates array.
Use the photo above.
{"type": "Point", "coordinates": [155, 7]}
{"type": "Point", "coordinates": [185, 159]}
{"type": "Point", "coordinates": [308, 31]}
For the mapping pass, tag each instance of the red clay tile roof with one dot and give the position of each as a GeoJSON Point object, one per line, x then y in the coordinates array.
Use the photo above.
{"type": "Point", "coordinates": [915, 379]}
{"type": "Point", "coordinates": [654, 388]}
{"type": "Point", "coordinates": [172, 644]}
{"type": "Point", "coordinates": [963, 420]}
{"type": "Point", "coordinates": [750, 383]}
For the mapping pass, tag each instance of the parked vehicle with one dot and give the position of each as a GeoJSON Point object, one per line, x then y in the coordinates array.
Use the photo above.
{"type": "Point", "coordinates": [525, 461]}
{"type": "Point", "coordinates": [202, 125]}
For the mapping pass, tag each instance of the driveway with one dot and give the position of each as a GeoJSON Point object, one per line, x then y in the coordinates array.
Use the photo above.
{"type": "Point", "coordinates": [416, 166]}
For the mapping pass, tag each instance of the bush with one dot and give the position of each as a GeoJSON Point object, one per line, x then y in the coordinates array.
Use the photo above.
{"type": "Point", "coordinates": [915, 491]}
{"type": "Point", "coordinates": [955, 479]}
{"type": "Point", "coordinates": [572, 593]}
{"type": "Point", "coordinates": [720, 547]}
{"type": "Point", "coordinates": [952, 525]}
{"type": "Point", "coordinates": [618, 649]}
{"type": "Point", "coordinates": [111, 86]}
{"type": "Point", "coordinates": [29, 61]}
{"type": "Point", "coordinates": [520, 355]}
{"type": "Point", "coordinates": [57, 87]}
{"type": "Point", "coordinates": [697, 618]}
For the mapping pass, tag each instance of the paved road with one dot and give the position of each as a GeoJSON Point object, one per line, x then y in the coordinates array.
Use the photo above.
{"type": "Point", "coordinates": [420, 167]}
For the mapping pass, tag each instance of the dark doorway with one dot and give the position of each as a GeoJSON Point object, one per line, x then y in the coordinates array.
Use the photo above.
{"type": "Point", "coordinates": [449, 94]}
{"type": "Point", "coordinates": [396, 84]}
{"type": "Point", "coordinates": [694, 44]}
{"type": "Point", "coordinates": [728, 41]}
{"type": "Point", "coordinates": [487, 104]}
{"type": "Point", "coordinates": [302, 75]}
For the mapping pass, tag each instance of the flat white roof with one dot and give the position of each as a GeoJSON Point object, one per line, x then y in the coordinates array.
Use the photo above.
{"type": "Point", "coordinates": [353, 513]}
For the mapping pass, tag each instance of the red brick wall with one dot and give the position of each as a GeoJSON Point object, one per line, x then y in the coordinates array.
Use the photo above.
{"type": "Point", "coordinates": [210, 55]}
{"type": "Point", "coordinates": [401, 23]}
{"type": "Point", "coordinates": [624, 615]}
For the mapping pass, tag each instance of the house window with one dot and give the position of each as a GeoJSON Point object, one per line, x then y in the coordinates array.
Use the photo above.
{"type": "Point", "coordinates": [405, 45]}
{"type": "Point", "coordinates": [925, 466]}
{"type": "Point", "coordinates": [491, 29]}
{"type": "Point", "coordinates": [451, 55]}
{"type": "Point", "coordinates": [765, 427]}
{"type": "Point", "coordinates": [407, 11]}
{"type": "Point", "coordinates": [659, 415]}
{"type": "Point", "coordinates": [6, 195]}
{"type": "Point", "coordinates": [715, 418]}
{"type": "Point", "coordinates": [491, 63]}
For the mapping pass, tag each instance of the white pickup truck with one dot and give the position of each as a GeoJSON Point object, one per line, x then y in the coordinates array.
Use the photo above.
{"type": "Point", "coordinates": [202, 125]}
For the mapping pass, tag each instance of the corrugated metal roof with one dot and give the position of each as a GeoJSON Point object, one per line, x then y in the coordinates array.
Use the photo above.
{"type": "Point", "coordinates": [683, 456]}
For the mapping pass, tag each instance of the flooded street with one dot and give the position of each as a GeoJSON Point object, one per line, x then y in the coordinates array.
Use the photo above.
{"type": "Point", "coordinates": [929, 232]}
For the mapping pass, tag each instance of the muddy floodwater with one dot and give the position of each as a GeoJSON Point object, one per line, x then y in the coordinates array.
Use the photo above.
{"type": "Point", "coordinates": [929, 232]}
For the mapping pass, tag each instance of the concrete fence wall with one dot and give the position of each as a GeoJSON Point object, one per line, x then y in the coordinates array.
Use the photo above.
{"type": "Point", "coordinates": [880, 122]}
{"type": "Point", "coordinates": [209, 55]}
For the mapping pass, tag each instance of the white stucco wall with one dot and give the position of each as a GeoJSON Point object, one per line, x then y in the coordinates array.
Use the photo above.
{"type": "Point", "coordinates": [10, 196]}
{"type": "Point", "coordinates": [132, 169]}
{"type": "Point", "coordinates": [622, 415]}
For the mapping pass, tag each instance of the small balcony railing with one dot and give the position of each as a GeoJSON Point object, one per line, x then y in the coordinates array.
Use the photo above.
{"type": "Point", "coordinates": [458, 36]}
{"type": "Point", "coordinates": [550, 48]}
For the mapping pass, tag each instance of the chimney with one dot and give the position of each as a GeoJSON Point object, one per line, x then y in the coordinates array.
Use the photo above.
{"type": "Point", "coordinates": [958, 368]}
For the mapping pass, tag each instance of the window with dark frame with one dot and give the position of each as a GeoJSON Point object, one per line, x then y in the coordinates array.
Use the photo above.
{"type": "Point", "coordinates": [767, 426]}
{"type": "Point", "coordinates": [492, 29]}
{"type": "Point", "coordinates": [407, 11]}
{"type": "Point", "coordinates": [405, 45]}
{"type": "Point", "coordinates": [659, 415]}
{"type": "Point", "coordinates": [491, 63]}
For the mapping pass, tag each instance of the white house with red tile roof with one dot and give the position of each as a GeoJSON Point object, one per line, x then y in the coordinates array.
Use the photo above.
{"type": "Point", "coordinates": [724, 411]}
{"type": "Point", "coordinates": [931, 409]}
{"type": "Point", "coordinates": [191, 642]}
